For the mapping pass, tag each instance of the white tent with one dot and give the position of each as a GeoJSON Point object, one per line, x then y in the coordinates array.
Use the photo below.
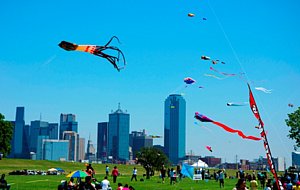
{"type": "Point", "coordinates": [200, 164]}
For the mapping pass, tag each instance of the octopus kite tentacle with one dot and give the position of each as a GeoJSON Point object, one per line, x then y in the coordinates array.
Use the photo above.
{"type": "Point", "coordinates": [98, 51]}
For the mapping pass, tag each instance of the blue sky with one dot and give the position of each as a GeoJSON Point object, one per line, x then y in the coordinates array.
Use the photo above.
{"type": "Point", "coordinates": [162, 45]}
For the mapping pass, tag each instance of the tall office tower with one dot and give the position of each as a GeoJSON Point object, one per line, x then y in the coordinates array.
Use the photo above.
{"type": "Point", "coordinates": [41, 128]}
{"type": "Point", "coordinates": [139, 140]}
{"type": "Point", "coordinates": [102, 135]}
{"type": "Point", "coordinates": [37, 128]}
{"type": "Point", "coordinates": [67, 123]}
{"type": "Point", "coordinates": [53, 130]}
{"type": "Point", "coordinates": [73, 138]}
{"type": "Point", "coordinates": [174, 127]}
{"type": "Point", "coordinates": [118, 135]}
{"type": "Point", "coordinates": [296, 159]}
{"type": "Point", "coordinates": [81, 150]}
{"type": "Point", "coordinates": [90, 151]}
{"type": "Point", "coordinates": [18, 134]}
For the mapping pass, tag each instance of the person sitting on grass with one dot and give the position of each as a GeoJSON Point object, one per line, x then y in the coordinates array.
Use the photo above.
{"type": "Point", "coordinates": [125, 187]}
{"type": "Point", "coordinates": [3, 183]}
{"type": "Point", "coordinates": [71, 184]}
{"type": "Point", "coordinates": [120, 187]}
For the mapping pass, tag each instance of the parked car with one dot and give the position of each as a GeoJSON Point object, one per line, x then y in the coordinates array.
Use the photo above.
{"type": "Point", "coordinates": [31, 172]}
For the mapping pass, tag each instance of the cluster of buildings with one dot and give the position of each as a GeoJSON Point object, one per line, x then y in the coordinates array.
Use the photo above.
{"type": "Point", "coordinates": [61, 141]}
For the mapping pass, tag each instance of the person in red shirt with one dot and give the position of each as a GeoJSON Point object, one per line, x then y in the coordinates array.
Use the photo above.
{"type": "Point", "coordinates": [115, 173]}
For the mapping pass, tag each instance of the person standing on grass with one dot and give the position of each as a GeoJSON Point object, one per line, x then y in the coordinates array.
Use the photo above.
{"type": "Point", "coordinates": [134, 174]}
{"type": "Point", "coordinates": [221, 178]}
{"type": "Point", "coordinates": [107, 170]}
{"type": "Point", "coordinates": [163, 173]}
{"type": "Point", "coordinates": [115, 173]}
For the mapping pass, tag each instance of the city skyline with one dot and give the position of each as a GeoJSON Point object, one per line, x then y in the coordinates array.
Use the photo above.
{"type": "Point", "coordinates": [258, 41]}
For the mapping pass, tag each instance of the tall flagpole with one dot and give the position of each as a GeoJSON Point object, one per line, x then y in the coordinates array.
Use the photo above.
{"type": "Point", "coordinates": [254, 109]}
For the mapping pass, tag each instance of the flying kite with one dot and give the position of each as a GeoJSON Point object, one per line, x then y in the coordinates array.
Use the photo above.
{"type": "Point", "coordinates": [263, 90]}
{"type": "Point", "coordinates": [204, 57]}
{"type": "Point", "coordinates": [237, 104]}
{"type": "Point", "coordinates": [291, 105]}
{"type": "Point", "coordinates": [189, 80]}
{"type": "Point", "coordinates": [203, 118]}
{"type": "Point", "coordinates": [187, 170]}
{"type": "Point", "coordinates": [155, 136]}
{"type": "Point", "coordinates": [214, 76]}
{"type": "Point", "coordinates": [99, 51]}
{"type": "Point", "coordinates": [191, 15]}
{"type": "Point", "coordinates": [226, 74]}
{"type": "Point", "coordinates": [208, 148]}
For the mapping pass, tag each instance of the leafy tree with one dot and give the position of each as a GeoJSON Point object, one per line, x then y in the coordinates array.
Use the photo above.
{"type": "Point", "coordinates": [6, 132]}
{"type": "Point", "coordinates": [151, 159]}
{"type": "Point", "coordinates": [294, 123]}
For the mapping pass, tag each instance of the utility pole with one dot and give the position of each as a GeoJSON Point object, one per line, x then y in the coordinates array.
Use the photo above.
{"type": "Point", "coordinates": [236, 161]}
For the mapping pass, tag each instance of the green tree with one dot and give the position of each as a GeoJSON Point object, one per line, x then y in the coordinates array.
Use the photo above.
{"type": "Point", "coordinates": [151, 159]}
{"type": "Point", "coordinates": [294, 123]}
{"type": "Point", "coordinates": [6, 132]}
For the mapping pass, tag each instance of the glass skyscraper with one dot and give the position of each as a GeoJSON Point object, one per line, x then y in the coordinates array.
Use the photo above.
{"type": "Point", "coordinates": [138, 140]}
{"type": "Point", "coordinates": [174, 127]}
{"type": "Point", "coordinates": [102, 137]}
{"type": "Point", "coordinates": [296, 159]}
{"type": "Point", "coordinates": [67, 123]}
{"type": "Point", "coordinates": [118, 135]}
{"type": "Point", "coordinates": [18, 134]}
{"type": "Point", "coordinates": [41, 128]}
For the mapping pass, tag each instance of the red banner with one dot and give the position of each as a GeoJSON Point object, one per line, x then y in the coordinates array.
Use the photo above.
{"type": "Point", "coordinates": [264, 136]}
{"type": "Point", "coordinates": [254, 107]}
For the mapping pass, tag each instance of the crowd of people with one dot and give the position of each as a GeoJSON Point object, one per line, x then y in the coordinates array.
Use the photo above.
{"type": "Point", "coordinates": [286, 182]}
{"type": "Point", "coordinates": [91, 183]}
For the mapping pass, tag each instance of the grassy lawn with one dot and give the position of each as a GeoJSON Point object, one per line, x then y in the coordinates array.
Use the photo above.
{"type": "Point", "coordinates": [39, 182]}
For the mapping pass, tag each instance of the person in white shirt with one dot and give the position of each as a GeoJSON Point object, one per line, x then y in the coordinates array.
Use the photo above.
{"type": "Point", "coordinates": [105, 184]}
{"type": "Point", "coordinates": [134, 174]}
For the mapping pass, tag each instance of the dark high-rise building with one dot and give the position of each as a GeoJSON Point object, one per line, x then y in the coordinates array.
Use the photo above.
{"type": "Point", "coordinates": [118, 135]}
{"type": "Point", "coordinates": [37, 128]}
{"type": "Point", "coordinates": [18, 135]}
{"type": "Point", "coordinates": [139, 140]}
{"type": "Point", "coordinates": [67, 123]}
{"type": "Point", "coordinates": [41, 128]}
{"type": "Point", "coordinates": [296, 159]}
{"type": "Point", "coordinates": [174, 127]}
{"type": "Point", "coordinates": [102, 137]}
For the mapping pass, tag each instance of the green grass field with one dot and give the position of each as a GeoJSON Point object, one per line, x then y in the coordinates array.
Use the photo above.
{"type": "Point", "coordinates": [32, 182]}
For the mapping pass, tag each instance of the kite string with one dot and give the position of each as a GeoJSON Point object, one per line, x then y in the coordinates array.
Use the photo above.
{"type": "Point", "coordinates": [238, 60]}
{"type": "Point", "coordinates": [227, 39]}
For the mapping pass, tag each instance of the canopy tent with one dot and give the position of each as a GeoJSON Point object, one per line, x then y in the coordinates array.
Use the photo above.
{"type": "Point", "coordinates": [200, 164]}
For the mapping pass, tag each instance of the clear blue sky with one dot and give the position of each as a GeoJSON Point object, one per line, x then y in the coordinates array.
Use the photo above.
{"type": "Point", "coordinates": [162, 45]}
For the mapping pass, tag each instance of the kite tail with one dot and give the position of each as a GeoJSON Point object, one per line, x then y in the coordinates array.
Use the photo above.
{"type": "Point", "coordinates": [240, 133]}
{"type": "Point", "coordinates": [111, 40]}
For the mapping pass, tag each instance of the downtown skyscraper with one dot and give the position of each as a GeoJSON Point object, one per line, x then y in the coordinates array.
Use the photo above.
{"type": "Point", "coordinates": [175, 127]}
{"type": "Point", "coordinates": [118, 135]}
{"type": "Point", "coordinates": [67, 123]}
{"type": "Point", "coordinates": [19, 139]}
